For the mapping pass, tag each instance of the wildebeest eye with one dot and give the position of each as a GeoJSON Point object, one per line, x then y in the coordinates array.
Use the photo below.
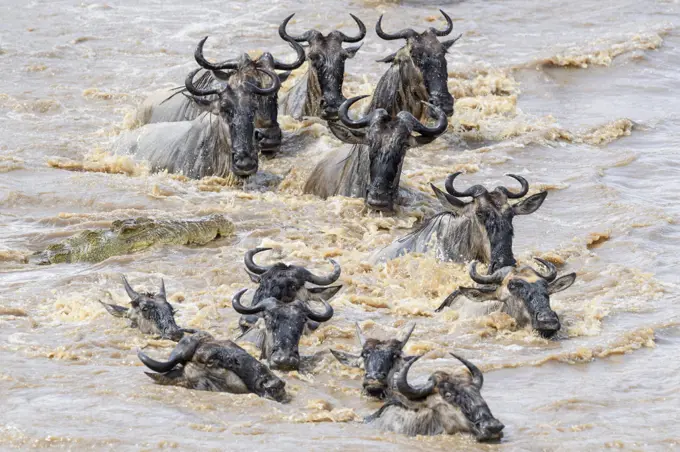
{"type": "Point", "coordinates": [514, 285]}
{"type": "Point", "coordinates": [447, 394]}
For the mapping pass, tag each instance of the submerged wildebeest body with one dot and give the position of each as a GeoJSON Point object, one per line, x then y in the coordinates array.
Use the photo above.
{"type": "Point", "coordinates": [201, 362]}
{"type": "Point", "coordinates": [150, 312]}
{"type": "Point", "coordinates": [523, 293]}
{"type": "Point", "coordinates": [371, 169]}
{"type": "Point", "coordinates": [319, 91]}
{"type": "Point", "coordinates": [381, 360]}
{"type": "Point", "coordinates": [479, 229]}
{"type": "Point", "coordinates": [446, 404]}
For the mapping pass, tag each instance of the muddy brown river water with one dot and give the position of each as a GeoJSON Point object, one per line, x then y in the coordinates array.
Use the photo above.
{"type": "Point", "coordinates": [581, 98]}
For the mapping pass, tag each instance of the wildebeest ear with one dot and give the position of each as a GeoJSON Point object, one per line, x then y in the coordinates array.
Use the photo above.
{"type": "Point", "coordinates": [283, 76]}
{"type": "Point", "coordinates": [253, 277]}
{"type": "Point", "coordinates": [323, 293]}
{"type": "Point", "coordinates": [530, 204]}
{"type": "Point", "coordinates": [173, 378]}
{"type": "Point", "coordinates": [479, 295]}
{"type": "Point", "coordinates": [346, 135]}
{"type": "Point", "coordinates": [414, 142]}
{"type": "Point", "coordinates": [448, 201]}
{"type": "Point", "coordinates": [388, 59]}
{"type": "Point", "coordinates": [114, 309]}
{"type": "Point", "coordinates": [204, 104]}
{"type": "Point", "coordinates": [561, 283]}
{"type": "Point", "coordinates": [408, 359]}
{"type": "Point", "coordinates": [348, 359]}
{"type": "Point", "coordinates": [447, 44]}
{"type": "Point", "coordinates": [351, 51]}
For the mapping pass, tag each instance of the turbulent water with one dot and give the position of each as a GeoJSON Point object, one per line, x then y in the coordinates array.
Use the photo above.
{"type": "Point", "coordinates": [579, 97]}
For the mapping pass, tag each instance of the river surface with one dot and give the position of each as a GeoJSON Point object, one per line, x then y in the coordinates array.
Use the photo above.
{"type": "Point", "coordinates": [579, 97]}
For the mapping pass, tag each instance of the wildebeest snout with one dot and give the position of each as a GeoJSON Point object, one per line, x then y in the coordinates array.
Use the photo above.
{"type": "Point", "coordinates": [281, 360]}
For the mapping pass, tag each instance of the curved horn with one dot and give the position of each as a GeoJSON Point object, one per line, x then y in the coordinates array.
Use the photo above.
{"type": "Point", "coordinates": [162, 291]}
{"type": "Point", "coordinates": [403, 34]}
{"type": "Point", "coordinates": [157, 366]}
{"type": "Point", "coordinates": [409, 391]}
{"type": "Point", "coordinates": [322, 317]}
{"type": "Point", "coordinates": [552, 270]}
{"type": "Point", "coordinates": [182, 354]}
{"type": "Point", "coordinates": [477, 377]}
{"type": "Point", "coordinates": [407, 336]}
{"type": "Point", "coordinates": [276, 84]}
{"type": "Point", "coordinates": [522, 192]}
{"type": "Point", "coordinates": [128, 288]}
{"type": "Point", "coordinates": [360, 334]}
{"type": "Point", "coordinates": [284, 34]}
{"type": "Point", "coordinates": [449, 25]}
{"type": "Point", "coordinates": [474, 191]}
{"type": "Point", "coordinates": [325, 280]}
{"type": "Point", "coordinates": [442, 122]}
{"type": "Point", "coordinates": [281, 66]}
{"type": "Point", "coordinates": [238, 307]}
{"type": "Point", "coordinates": [189, 84]}
{"type": "Point", "coordinates": [360, 36]}
{"type": "Point", "coordinates": [252, 266]}
{"type": "Point", "coordinates": [200, 59]}
{"type": "Point", "coordinates": [352, 124]}
{"type": "Point", "coordinates": [495, 278]}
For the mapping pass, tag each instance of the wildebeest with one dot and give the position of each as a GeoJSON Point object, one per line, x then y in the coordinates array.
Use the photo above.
{"type": "Point", "coordinates": [418, 73]}
{"type": "Point", "coordinates": [479, 229]}
{"type": "Point", "coordinates": [381, 360]}
{"type": "Point", "coordinates": [523, 293]}
{"type": "Point", "coordinates": [216, 144]}
{"type": "Point", "coordinates": [284, 324]}
{"type": "Point", "coordinates": [319, 91]}
{"type": "Point", "coordinates": [176, 105]}
{"type": "Point", "coordinates": [201, 362]}
{"type": "Point", "coordinates": [150, 312]}
{"type": "Point", "coordinates": [372, 168]}
{"type": "Point", "coordinates": [446, 404]}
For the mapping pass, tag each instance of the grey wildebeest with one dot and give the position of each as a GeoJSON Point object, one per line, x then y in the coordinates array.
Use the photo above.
{"type": "Point", "coordinates": [201, 362]}
{"type": "Point", "coordinates": [150, 312]}
{"type": "Point", "coordinates": [380, 359]}
{"type": "Point", "coordinates": [172, 105]}
{"type": "Point", "coordinates": [319, 91]}
{"type": "Point", "coordinates": [371, 169]}
{"type": "Point", "coordinates": [418, 73]}
{"type": "Point", "coordinates": [445, 404]}
{"type": "Point", "coordinates": [523, 293]}
{"type": "Point", "coordinates": [479, 229]}
{"type": "Point", "coordinates": [215, 144]}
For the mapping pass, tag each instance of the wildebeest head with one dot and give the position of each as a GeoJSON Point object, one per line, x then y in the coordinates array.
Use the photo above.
{"type": "Point", "coordinates": [201, 362]}
{"type": "Point", "coordinates": [428, 55]}
{"type": "Point", "coordinates": [388, 139]}
{"type": "Point", "coordinates": [380, 359]}
{"type": "Point", "coordinates": [327, 58]}
{"type": "Point", "coordinates": [239, 97]}
{"type": "Point", "coordinates": [450, 395]}
{"type": "Point", "coordinates": [491, 215]}
{"type": "Point", "coordinates": [150, 312]}
{"type": "Point", "coordinates": [284, 324]}
{"type": "Point", "coordinates": [524, 292]}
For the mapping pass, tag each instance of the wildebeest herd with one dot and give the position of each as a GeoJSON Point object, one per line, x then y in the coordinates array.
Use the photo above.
{"type": "Point", "coordinates": [220, 122]}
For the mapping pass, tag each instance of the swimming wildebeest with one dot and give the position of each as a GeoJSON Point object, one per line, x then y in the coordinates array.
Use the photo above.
{"type": "Point", "coordinates": [284, 324]}
{"type": "Point", "coordinates": [381, 361]}
{"type": "Point", "coordinates": [372, 168]}
{"type": "Point", "coordinates": [177, 105]}
{"type": "Point", "coordinates": [201, 362]}
{"type": "Point", "coordinates": [150, 312]}
{"type": "Point", "coordinates": [523, 293]}
{"type": "Point", "coordinates": [319, 91]}
{"type": "Point", "coordinates": [445, 404]}
{"type": "Point", "coordinates": [479, 229]}
{"type": "Point", "coordinates": [418, 73]}
{"type": "Point", "coordinates": [217, 144]}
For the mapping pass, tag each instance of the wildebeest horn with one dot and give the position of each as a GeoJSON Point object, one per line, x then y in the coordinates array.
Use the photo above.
{"type": "Point", "coordinates": [344, 117]}
{"type": "Point", "coordinates": [474, 191]}
{"type": "Point", "coordinates": [200, 59]}
{"type": "Point", "coordinates": [252, 266]}
{"type": "Point", "coordinates": [403, 34]}
{"type": "Point", "coordinates": [182, 354]}
{"type": "Point", "coordinates": [406, 337]}
{"type": "Point", "coordinates": [281, 66]}
{"type": "Point", "coordinates": [449, 25]}
{"type": "Point", "coordinates": [284, 34]}
{"type": "Point", "coordinates": [552, 270]}
{"type": "Point", "coordinates": [189, 83]}
{"type": "Point", "coordinates": [360, 36]}
{"type": "Point", "coordinates": [442, 122]}
{"type": "Point", "coordinates": [276, 84]}
{"type": "Point", "coordinates": [321, 317]}
{"type": "Point", "coordinates": [238, 307]}
{"type": "Point", "coordinates": [522, 192]}
{"type": "Point", "coordinates": [325, 280]}
{"type": "Point", "coordinates": [130, 291]}
{"type": "Point", "coordinates": [477, 377]}
{"type": "Point", "coordinates": [360, 334]}
{"type": "Point", "coordinates": [162, 292]}
{"type": "Point", "coordinates": [409, 391]}
{"type": "Point", "coordinates": [494, 278]}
